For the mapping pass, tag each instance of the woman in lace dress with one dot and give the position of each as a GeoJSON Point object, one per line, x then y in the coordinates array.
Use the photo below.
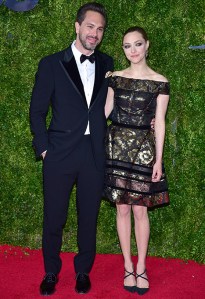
{"type": "Point", "coordinates": [135, 177]}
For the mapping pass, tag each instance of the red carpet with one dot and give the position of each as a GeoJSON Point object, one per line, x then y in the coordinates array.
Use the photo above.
{"type": "Point", "coordinates": [22, 271]}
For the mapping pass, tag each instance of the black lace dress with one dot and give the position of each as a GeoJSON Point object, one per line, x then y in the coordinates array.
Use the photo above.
{"type": "Point", "coordinates": [130, 144]}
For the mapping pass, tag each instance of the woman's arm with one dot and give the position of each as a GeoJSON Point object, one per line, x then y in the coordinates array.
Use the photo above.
{"type": "Point", "coordinates": [109, 102]}
{"type": "Point", "coordinates": [162, 103]}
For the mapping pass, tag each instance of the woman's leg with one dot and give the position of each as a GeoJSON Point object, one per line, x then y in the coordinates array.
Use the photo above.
{"type": "Point", "coordinates": [142, 231]}
{"type": "Point", "coordinates": [124, 233]}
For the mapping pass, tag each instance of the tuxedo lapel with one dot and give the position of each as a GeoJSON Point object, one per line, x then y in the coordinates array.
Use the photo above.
{"type": "Point", "coordinates": [99, 76]}
{"type": "Point", "coordinates": [71, 70]}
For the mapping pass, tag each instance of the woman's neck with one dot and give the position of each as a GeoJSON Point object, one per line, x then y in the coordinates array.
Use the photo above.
{"type": "Point", "coordinates": [138, 69]}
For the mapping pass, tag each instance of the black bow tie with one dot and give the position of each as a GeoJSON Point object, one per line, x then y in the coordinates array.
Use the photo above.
{"type": "Point", "coordinates": [91, 58]}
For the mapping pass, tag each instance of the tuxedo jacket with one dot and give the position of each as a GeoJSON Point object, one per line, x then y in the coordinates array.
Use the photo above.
{"type": "Point", "coordinates": [58, 84]}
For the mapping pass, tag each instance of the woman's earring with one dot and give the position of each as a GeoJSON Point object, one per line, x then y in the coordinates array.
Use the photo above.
{"type": "Point", "coordinates": [146, 54]}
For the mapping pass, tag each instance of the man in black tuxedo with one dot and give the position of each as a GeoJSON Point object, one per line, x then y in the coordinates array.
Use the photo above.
{"type": "Point", "coordinates": [74, 83]}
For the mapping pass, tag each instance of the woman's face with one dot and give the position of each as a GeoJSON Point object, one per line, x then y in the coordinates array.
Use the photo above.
{"type": "Point", "coordinates": [135, 47]}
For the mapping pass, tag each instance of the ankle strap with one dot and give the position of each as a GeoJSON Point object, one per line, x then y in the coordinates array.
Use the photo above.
{"type": "Point", "coordinates": [140, 275]}
{"type": "Point", "coordinates": [129, 273]}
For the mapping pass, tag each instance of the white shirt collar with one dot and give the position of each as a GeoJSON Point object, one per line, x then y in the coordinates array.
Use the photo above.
{"type": "Point", "coordinates": [76, 52]}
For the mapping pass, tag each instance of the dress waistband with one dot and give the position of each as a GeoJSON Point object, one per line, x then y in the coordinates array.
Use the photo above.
{"type": "Point", "coordinates": [144, 127]}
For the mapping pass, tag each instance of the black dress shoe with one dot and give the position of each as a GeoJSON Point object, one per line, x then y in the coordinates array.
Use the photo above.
{"type": "Point", "coordinates": [83, 284]}
{"type": "Point", "coordinates": [142, 291]}
{"type": "Point", "coordinates": [131, 289]}
{"type": "Point", "coordinates": [48, 284]}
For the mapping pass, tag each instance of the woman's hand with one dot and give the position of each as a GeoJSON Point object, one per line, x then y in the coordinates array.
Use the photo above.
{"type": "Point", "coordinates": [43, 154]}
{"type": "Point", "coordinates": [157, 172]}
{"type": "Point", "coordinates": [152, 124]}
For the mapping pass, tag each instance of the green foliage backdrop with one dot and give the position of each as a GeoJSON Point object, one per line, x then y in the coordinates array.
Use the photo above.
{"type": "Point", "coordinates": [177, 230]}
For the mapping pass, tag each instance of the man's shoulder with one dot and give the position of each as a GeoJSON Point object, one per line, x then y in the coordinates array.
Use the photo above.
{"type": "Point", "coordinates": [103, 55]}
{"type": "Point", "coordinates": [106, 61]}
{"type": "Point", "coordinates": [55, 56]}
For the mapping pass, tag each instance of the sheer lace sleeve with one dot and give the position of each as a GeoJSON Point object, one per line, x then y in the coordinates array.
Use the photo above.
{"type": "Point", "coordinates": [164, 88]}
{"type": "Point", "coordinates": [112, 82]}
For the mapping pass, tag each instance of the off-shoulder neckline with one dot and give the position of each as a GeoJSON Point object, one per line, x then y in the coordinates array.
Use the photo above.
{"type": "Point", "coordinates": [137, 79]}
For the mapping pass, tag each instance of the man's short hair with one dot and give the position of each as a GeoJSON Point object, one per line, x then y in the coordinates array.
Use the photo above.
{"type": "Point", "coordinates": [90, 6]}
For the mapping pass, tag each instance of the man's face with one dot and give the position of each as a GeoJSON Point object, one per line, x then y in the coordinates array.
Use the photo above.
{"type": "Point", "coordinates": [90, 32]}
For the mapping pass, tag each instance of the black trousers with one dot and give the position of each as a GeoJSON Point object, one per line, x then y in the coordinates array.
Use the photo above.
{"type": "Point", "coordinates": [59, 178]}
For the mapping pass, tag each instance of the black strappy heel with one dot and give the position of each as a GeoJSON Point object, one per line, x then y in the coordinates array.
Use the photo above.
{"type": "Point", "coordinates": [142, 291]}
{"type": "Point", "coordinates": [131, 289]}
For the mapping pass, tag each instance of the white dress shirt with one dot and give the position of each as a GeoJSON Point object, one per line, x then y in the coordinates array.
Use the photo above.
{"type": "Point", "coordinates": [87, 75]}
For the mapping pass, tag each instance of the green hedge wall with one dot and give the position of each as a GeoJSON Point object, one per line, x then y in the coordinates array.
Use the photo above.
{"type": "Point", "coordinates": [177, 230]}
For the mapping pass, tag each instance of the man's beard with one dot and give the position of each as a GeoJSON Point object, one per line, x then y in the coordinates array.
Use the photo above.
{"type": "Point", "coordinates": [86, 45]}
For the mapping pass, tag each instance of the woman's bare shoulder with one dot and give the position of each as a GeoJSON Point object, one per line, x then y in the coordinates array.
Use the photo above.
{"type": "Point", "coordinates": [158, 77]}
{"type": "Point", "coordinates": [117, 73]}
